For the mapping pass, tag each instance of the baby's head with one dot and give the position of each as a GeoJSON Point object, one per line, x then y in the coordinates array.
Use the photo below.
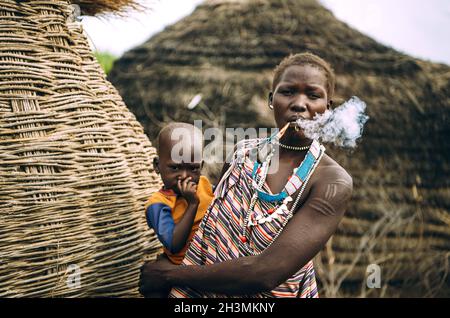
{"type": "Point", "coordinates": [180, 147]}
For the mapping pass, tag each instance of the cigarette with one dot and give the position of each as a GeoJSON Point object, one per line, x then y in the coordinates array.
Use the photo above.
{"type": "Point", "coordinates": [282, 131]}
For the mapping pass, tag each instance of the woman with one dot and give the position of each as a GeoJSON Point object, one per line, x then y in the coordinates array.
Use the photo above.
{"type": "Point", "coordinates": [269, 218]}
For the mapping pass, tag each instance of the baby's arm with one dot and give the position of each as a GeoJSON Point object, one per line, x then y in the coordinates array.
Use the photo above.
{"type": "Point", "coordinates": [159, 218]}
{"type": "Point", "coordinates": [182, 229]}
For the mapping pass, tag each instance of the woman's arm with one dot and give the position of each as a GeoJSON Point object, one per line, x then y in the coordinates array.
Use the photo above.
{"type": "Point", "coordinates": [303, 237]}
{"type": "Point", "coordinates": [312, 226]}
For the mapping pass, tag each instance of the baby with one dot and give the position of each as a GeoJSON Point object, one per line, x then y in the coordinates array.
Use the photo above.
{"type": "Point", "coordinates": [175, 211]}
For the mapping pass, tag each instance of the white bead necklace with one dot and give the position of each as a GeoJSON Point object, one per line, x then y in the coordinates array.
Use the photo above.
{"type": "Point", "coordinates": [282, 208]}
{"type": "Point", "coordinates": [302, 148]}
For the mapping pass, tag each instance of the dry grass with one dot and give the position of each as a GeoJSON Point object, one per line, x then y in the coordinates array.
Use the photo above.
{"type": "Point", "coordinates": [410, 269]}
{"type": "Point", "coordinates": [102, 7]}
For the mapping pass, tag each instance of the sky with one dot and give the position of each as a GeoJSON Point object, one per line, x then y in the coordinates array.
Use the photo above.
{"type": "Point", "coordinates": [416, 27]}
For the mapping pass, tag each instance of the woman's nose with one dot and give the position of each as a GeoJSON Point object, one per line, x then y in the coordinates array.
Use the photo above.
{"type": "Point", "coordinates": [300, 105]}
{"type": "Point", "coordinates": [298, 108]}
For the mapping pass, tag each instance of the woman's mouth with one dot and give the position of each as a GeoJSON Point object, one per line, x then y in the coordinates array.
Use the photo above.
{"type": "Point", "coordinates": [293, 121]}
{"type": "Point", "coordinates": [294, 125]}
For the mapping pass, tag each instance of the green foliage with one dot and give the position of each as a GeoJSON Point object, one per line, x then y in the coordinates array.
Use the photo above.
{"type": "Point", "coordinates": [106, 60]}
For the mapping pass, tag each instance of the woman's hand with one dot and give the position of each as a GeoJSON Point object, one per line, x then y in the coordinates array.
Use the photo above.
{"type": "Point", "coordinates": [154, 276]}
{"type": "Point", "coordinates": [188, 190]}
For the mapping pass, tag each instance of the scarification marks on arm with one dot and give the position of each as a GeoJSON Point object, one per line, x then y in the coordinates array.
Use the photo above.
{"type": "Point", "coordinates": [331, 191]}
{"type": "Point", "coordinates": [335, 196]}
{"type": "Point", "coordinates": [332, 188]}
{"type": "Point", "coordinates": [323, 206]}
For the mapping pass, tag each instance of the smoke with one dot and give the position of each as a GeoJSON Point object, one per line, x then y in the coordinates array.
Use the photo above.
{"type": "Point", "coordinates": [341, 126]}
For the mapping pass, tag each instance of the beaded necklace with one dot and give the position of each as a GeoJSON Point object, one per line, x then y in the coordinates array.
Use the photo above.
{"type": "Point", "coordinates": [297, 181]}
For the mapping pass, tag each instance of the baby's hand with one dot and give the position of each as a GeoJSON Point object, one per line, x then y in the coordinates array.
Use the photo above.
{"type": "Point", "coordinates": [188, 190]}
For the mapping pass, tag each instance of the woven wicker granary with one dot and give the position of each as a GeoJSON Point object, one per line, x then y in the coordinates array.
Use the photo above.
{"type": "Point", "coordinates": [75, 165]}
{"type": "Point", "coordinates": [399, 217]}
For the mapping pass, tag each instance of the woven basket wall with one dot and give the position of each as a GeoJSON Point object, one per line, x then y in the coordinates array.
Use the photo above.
{"type": "Point", "coordinates": [75, 165]}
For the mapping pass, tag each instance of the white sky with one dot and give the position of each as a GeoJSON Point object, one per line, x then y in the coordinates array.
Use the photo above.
{"type": "Point", "coordinates": [417, 27]}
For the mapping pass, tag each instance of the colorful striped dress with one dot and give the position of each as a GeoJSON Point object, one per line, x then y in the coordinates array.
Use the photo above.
{"type": "Point", "coordinates": [218, 237]}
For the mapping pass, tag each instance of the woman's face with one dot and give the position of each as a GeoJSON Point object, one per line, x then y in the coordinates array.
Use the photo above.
{"type": "Point", "coordinates": [301, 92]}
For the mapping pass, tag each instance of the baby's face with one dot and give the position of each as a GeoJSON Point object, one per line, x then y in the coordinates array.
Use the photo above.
{"type": "Point", "coordinates": [175, 167]}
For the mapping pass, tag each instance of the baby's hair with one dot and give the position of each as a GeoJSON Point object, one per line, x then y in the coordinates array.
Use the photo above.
{"type": "Point", "coordinates": [168, 129]}
{"type": "Point", "coordinates": [306, 59]}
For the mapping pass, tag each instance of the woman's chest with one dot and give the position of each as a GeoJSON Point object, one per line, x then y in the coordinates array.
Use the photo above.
{"type": "Point", "coordinates": [278, 177]}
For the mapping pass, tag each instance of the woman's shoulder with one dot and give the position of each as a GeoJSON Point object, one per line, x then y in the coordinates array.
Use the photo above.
{"type": "Point", "coordinates": [329, 170]}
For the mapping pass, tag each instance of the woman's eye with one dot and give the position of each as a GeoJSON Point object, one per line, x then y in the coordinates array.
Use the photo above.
{"type": "Point", "coordinates": [286, 92]}
{"type": "Point", "coordinates": [314, 96]}
{"type": "Point", "coordinates": [174, 168]}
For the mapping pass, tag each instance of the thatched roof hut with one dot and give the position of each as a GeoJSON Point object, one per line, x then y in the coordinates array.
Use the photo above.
{"type": "Point", "coordinates": [226, 50]}
{"type": "Point", "coordinates": [75, 165]}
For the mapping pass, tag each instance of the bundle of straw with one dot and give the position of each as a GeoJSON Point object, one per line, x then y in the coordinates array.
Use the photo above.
{"type": "Point", "coordinates": [96, 7]}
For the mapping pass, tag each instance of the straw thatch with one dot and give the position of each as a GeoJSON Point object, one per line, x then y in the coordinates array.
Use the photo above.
{"type": "Point", "coordinates": [75, 165]}
{"type": "Point", "coordinates": [101, 7]}
{"type": "Point", "coordinates": [399, 217]}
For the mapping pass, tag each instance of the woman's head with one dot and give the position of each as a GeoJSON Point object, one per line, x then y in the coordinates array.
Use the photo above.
{"type": "Point", "coordinates": [303, 85]}
{"type": "Point", "coordinates": [306, 59]}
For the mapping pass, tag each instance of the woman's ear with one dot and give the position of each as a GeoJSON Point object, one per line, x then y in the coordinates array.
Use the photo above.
{"type": "Point", "coordinates": [156, 164]}
{"type": "Point", "coordinates": [270, 100]}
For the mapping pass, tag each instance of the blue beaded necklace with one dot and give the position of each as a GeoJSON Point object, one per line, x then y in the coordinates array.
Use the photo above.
{"type": "Point", "coordinates": [295, 181]}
